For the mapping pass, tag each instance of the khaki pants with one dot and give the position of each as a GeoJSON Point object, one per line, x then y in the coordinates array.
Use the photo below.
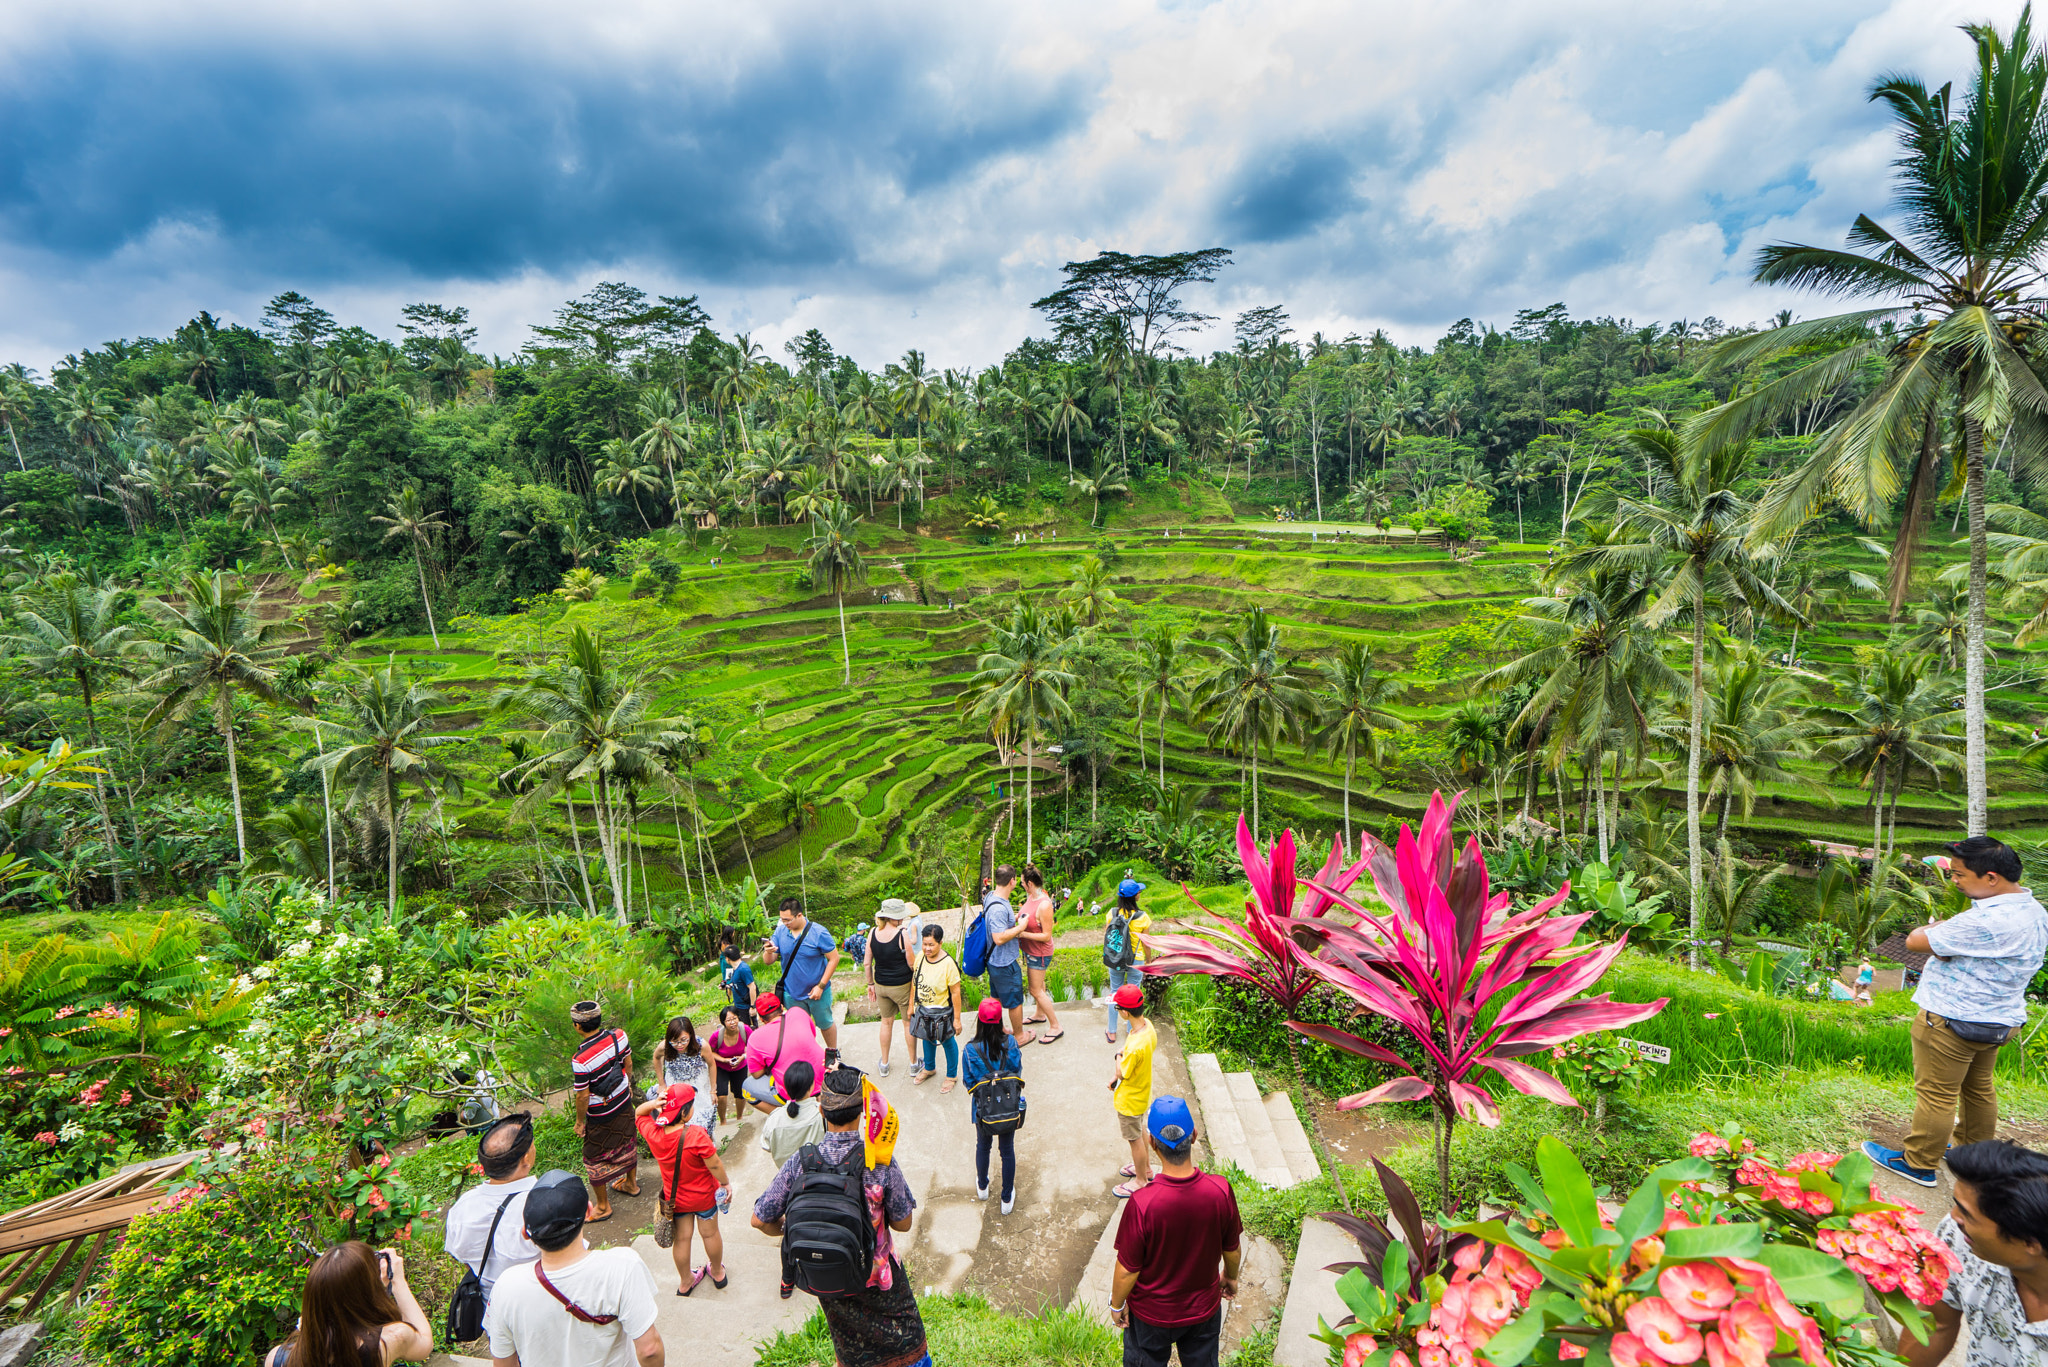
{"type": "Point", "coordinates": [1947, 1068]}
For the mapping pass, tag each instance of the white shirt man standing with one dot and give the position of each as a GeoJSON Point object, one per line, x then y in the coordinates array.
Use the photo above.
{"type": "Point", "coordinates": [506, 1154]}
{"type": "Point", "coordinates": [574, 1306]}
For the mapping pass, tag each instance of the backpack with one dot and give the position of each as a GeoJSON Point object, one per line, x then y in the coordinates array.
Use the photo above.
{"type": "Point", "coordinates": [974, 950]}
{"type": "Point", "coordinates": [856, 947]}
{"type": "Point", "coordinates": [828, 1238]}
{"type": "Point", "coordinates": [998, 1101]}
{"type": "Point", "coordinates": [1117, 949]}
{"type": "Point", "coordinates": [466, 1308]}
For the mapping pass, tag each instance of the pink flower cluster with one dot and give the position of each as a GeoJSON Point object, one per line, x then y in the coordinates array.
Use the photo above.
{"type": "Point", "coordinates": [66, 1012]}
{"type": "Point", "coordinates": [1708, 1145]}
{"type": "Point", "coordinates": [1891, 1252]}
{"type": "Point", "coordinates": [1489, 1288]}
{"type": "Point", "coordinates": [91, 1095]}
{"type": "Point", "coordinates": [46, 1137]}
{"type": "Point", "coordinates": [1784, 1188]}
{"type": "Point", "coordinates": [1729, 1311]}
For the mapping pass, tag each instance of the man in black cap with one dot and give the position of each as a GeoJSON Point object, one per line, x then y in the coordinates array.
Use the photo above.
{"type": "Point", "coordinates": [506, 1155]}
{"type": "Point", "coordinates": [574, 1306]}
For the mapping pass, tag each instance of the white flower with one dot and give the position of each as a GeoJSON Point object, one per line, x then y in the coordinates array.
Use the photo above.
{"type": "Point", "coordinates": [376, 975]}
{"type": "Point", "coordinates": [262, 972]}
{"type": "Point", "coordinates": [298, 949]}
{"type": "Point", "coordinates": [71, 1130]}
{"type": "Point", "coordinates": [243, 983]}
{"type": "Point", "coordinates": [312, 927]}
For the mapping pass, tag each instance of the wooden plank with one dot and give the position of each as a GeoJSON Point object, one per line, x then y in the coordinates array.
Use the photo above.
{"type": "Point", "coordinates": [24, 1268]}
{"type": "Point", "coordinates": [85, 1269]}
{"type": "Point", "coordinates": [51, 1280]}
{"type": "Point", "coordinates": [72, 1224]}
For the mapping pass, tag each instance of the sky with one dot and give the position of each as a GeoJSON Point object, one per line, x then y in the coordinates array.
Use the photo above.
{"type": "Point", "coordinates": [903, 175]}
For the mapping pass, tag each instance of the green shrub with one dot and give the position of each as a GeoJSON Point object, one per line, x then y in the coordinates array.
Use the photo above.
{"type": "Point", "coordinates": [211, 1281]}
{"type": "Point", "coordinates": [637, 997]}
{"type": "Point", "coordinates": [966, 1331]}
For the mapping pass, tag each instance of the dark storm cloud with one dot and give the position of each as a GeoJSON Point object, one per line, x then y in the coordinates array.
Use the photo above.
{"type": "Point", "coordinates": [328, 169]}
{"type": "Point", "coordinates": [1283, 192]}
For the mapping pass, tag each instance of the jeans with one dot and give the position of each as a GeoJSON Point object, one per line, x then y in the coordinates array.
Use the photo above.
{"type": "Point", "coordinates": [952, 1055]}
{"type": "Point", "coordinates": [1118, 977]}
{"type": "Point", "coordinates": [1005, 1141]}
{"type": "Point", "coordinates": [1147, 1345]}
{"type": "Point", "coordinates": [1948, 1068]}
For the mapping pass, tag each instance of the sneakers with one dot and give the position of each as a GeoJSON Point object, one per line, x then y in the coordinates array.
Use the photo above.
{"type": "Point", "coordinates": [1894, 1161]}
{"type": "Point", "coordinates": [883, 1068]}
{"type": "Point", "coordinates": [1009, 1202]}
{"type": "Point", "coordinates": [981, 1193]}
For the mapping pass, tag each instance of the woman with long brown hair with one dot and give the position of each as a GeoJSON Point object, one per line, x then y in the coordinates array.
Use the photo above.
{"type": "Point", "coordinates": [357, 1311]}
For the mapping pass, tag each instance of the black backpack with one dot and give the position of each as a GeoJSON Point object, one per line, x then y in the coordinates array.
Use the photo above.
{"type": "Point", "coordinates": [828, 1238]}
{"type": "Point", "coordinates": [466, 1308]}
{"type": "Point", "coordinates": [999, 1101]}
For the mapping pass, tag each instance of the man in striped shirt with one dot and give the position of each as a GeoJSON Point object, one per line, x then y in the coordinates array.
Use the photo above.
{"type": "Point", "coordinates": [602, 1074]}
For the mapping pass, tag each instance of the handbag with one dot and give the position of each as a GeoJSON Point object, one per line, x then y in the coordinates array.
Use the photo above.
{"type": "Point", "coordinates": [934, 1023]}
{"type": "Point", "coordinates": [1978, 1032]}
{"type": "Point", "coordinates": [665, 1205]}
{"type": "Point", "coordinates": [466, 1308]}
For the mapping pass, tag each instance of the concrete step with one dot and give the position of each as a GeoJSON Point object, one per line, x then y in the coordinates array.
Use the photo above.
{"type": "Point", "coordinates": [1294, 1141]}
{"type": "Point", "coordinates": [1220, 1120]}
{"type": "Point", "coordinates": [1312, 1297]}
{"type": "Point", "coordinates": [1092, 1295]}
{"type": "Point", "coordinates": [1260, 1140]}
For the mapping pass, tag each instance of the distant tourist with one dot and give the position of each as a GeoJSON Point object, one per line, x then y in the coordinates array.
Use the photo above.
{"type": "Point", "coordinates": [738, 977]}
{"type": "Point", "coordinates": [782, 1038]}
{"type": "Point", "coordinates": [890, 951]}
{"type": "Point", "coordinates": [506, 1154]}
{"type": "Point", "coordinates": [574, 1306]}
{"type": "Point", "coordinates": [1036, 937]}
{"type": "Point", "coordinates": [796, 1122]}
{"type": "Point", "coordinates": [808, 954]}
{"type": "Point", "coordinates": [1998, 1231]}
{"type": "Point", "coordinates": [875, 1322]}
{"type": "Point", "coordinates": [680, 1058]}
{"type": "Point", "coordinates": [357, 1311]}
{"type": "Point", "coordinates": [602, 1075]}
{"type": "Point", "coordinates": [1123, 949]}
{"type": "Point", "coordinates": [693, 1182]}
{"type": "Point", "coordinates": [1972, 999]}
{"type": "Point", "coordinates": [1005, 958]}
{"type": "Point", "coordinates": [936, 989]}
{"type": "Point", "coordinates": [729, 1057]}
{"type": "Point", "coordinates": [991, 1054]}
{"type": "Point", "coordinates": [1131, 1089]}
{"type": "Point", "coordinates": [1177, 1251]}
{"type": "Point", "coordinates": [1866, 975]}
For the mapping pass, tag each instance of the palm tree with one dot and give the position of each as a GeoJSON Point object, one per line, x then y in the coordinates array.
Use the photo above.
{"type": "Point", "coordinates": [1890, 721]}
{"type": "Point", "coordinates": [1162, 667]}
{"type": "Point", "coordinates": [15, 401]}
{"type": "Point", "coordinates": [1351, 712]}
{"type": "Point", "coordinates": [1251, 694]}
{"type": "Point", "coordinates": [621, 471]}
{"type": "Point", "coordinates": [1733, 893]}
{"type": "Point", "coordinates": [1756, 728]}
{"type": "Point", "coordinates": [1963, 278]}
{"type": "Point", "coordinates": [67, 629]}
{"type": "Point", "coordinates": [382, 744]}
{"type": "Point", "coordinates": [916, 398]}
{"type": "Point", "coordinates": [666, 437]}
{"type": "Point", "coordinates": [595, 729]}
{"type": "Point", "coordinates": [741, 379]}
{"type": "Point", "coordinates": [407, 518]}
{"type": "Point", "coordinates": [1522, 470]}
{"type": "Point", "coordinates": [1020, 681]}
{"type": "Point", "coordinates": [212, 647]}
{"type": "Point", "coordinates": [1089, 589]}
{"type": "Point", "coordinates": [836, 562]}
{"type": "Point", "coordinates": [1694, 523]}
{"type": "Point", "coordinates": [796, 802]}
{"type": "Point", "coordinates": [1111, 480]}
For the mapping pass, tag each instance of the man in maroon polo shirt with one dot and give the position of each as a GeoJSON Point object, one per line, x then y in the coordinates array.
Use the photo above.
{"type": "Point", "coordinates": [1177, 1230]}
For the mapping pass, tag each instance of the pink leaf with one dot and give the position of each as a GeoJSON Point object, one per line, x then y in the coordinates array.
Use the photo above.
{"type": "Point", "coordinates": [1573, 1019]}
{"type": "Point", "coordinates": [1254, 865]}
{"type": "Point", "coordinates": [1475, 1103]}
{"type": "Point", "coordinates": [1350, 1044]}
{"type": "Point", "coordinates": [1529, 1081]}
{"type": "Point", "coordinates": [1400, 1089]}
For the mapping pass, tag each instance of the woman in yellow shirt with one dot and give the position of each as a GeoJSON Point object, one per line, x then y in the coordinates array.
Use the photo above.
{"type": "Point", "coordinates": [936, 989]}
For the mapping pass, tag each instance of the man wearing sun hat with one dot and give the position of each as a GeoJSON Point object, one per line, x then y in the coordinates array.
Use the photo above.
{"type": "Point", "coordinates": [1176, 1234]}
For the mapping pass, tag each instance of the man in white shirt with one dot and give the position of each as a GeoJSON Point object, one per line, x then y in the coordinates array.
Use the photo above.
{"type": "Point", "coordinates": [506, 1155]}
{"type": "Point", "coordinates": [2000, 1282]}
{"type": "Point", "coordinates": [573, 1306]}
{"type": "Point", "coordinates": [1972, 998]}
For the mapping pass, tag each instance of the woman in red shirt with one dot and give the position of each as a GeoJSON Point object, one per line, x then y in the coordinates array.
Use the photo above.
{"type": "Point", "coordinates": [693, 1181]}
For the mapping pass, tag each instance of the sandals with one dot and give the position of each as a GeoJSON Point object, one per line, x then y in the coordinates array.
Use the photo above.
{"type": "Point", "coordinates": [920, 1077]}
{"type": "Point", "coordinates": [1034, 1020]}
{"type": "Point", "coordinates": [1053, 1038]}
{"type": "Point", "coordinates": [700, 1275]}
{"type": "Point", "coordinates": [590, 1219]}
{"type": "Point", "coordinates": [1125, 1191]}
{"type": "Point", "coordinates": [951, 1083]}
{"type": "Point", "coordinates": [1028, 1037]}
{"type": "Point", "coordinates": [1127, 1170]}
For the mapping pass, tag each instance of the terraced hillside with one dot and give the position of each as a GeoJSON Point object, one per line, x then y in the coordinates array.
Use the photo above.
{"type": "Point", "coordinates": [748, 648]}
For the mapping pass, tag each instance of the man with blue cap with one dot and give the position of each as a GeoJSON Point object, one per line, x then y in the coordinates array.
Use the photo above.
{"type": "Point", "coordinates": [1177, 1251]}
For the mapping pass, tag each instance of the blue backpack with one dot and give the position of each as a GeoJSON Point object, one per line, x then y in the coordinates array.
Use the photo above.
{"type": "Point", "coordinates": [975, 948]}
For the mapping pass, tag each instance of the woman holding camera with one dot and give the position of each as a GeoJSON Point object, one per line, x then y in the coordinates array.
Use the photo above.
{"type": "Point", "coordinates": [357, 1311]}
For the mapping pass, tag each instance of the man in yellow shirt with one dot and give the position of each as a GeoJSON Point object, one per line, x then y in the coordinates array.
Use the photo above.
{"type": "Point", "coordinates": [1132, 1087]}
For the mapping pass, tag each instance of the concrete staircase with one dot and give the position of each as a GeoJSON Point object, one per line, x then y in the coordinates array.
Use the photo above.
{"type": "Point", "coordinates": [1262, 1135]}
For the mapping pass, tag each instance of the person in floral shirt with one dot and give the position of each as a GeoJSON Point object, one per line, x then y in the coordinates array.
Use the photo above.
{"type": "Point", "coordinates": [1998, 1232]}
{"type": "Point", "coordinates": [880, 1327]}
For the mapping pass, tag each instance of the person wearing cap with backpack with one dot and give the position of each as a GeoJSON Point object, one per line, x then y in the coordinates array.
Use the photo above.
{"type": "Point", "coordinates": [836, 1213]}
{"type": "Point", "coordinates": [574, 1306]}
{"type": "Point", "coordinates": [1123, 951]}
{"type": "Point", "coordinates": [994, 1072]}
{"type": "Point", "coordinates": [1178, 1250]}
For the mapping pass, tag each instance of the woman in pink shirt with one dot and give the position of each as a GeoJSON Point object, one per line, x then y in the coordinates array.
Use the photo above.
{"type": "Point", "coordinates": [728, 1046]}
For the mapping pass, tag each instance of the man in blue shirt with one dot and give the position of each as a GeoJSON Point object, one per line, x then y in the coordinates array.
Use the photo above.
{"type": "Point", "coordinates": [808, 953]}
{"type": "Point", "coordinates": [1972, 998]}
{"type": "Point", "coordinates": [1005, 955]}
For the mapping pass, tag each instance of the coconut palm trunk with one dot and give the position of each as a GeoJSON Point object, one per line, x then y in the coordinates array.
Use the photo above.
{"type": "Point", "coordinates": [227, 731]}
{"type": "Point", "coordinates": [1693, 855]}
{"type": "Point", "coordinates": [1979, 815]}
{"type": "Point", "coordinates": [390, 847]}
{"type": "Point", "coordinates": [426, 599]}
{"type": "Point", "coordinates": [576, 843]}
{"type": "Point", "coordinates": [1162, 740]}
{"type": "Point", "coordinates": [99, 785]}
{"type": "Point", "coordinates": [845, 650]}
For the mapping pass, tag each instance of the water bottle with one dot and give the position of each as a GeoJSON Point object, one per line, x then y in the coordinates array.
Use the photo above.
{"type": "Point", "coordinates": [725, 1200]}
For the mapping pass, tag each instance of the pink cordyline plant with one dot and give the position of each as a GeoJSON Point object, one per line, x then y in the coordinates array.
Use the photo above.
{"type": "Point", "coordinates": [1439, 952]}
{"type": "Point", "coordinates": [1271, 951]}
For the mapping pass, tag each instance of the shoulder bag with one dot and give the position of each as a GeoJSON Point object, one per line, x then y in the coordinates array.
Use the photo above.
{"type": "Point", "coordinates": [541, 1274]}
{"type": "Point", "coordinates": [934, 1023]}
{"type": "Point", "coordinates": [466, 1308]}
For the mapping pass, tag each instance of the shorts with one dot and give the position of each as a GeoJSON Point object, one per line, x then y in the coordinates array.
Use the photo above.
{"type": "Point", "coordinates": [892, 1002]}
{"type": "Point", "coordinates": [1039, 962]}
{"type": "Point", "coordinates": [1132, 1127]}
{"type": "Point", "coordinates": [710, 1214]}
{"type": "Point", "coordinates": [1006, 983]}
{"type": "Point", "coordinates": [730, 1081]}
{"type": "Point", "coordinates": [820, 1010]}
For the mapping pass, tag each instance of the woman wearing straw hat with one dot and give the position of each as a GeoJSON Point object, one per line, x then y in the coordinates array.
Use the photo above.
{"type": "Point", "coordinates": [890, 951]}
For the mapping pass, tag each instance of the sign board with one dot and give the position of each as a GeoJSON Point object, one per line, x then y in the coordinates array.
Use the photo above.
{"type": "Point", "coordinates": [1651, 1053]}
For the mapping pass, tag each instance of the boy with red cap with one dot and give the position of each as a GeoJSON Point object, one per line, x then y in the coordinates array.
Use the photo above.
{"type": "Point", "coordinates": [693, 1181]}
{"type": "Point", "coordinates": [1132, 1087]}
